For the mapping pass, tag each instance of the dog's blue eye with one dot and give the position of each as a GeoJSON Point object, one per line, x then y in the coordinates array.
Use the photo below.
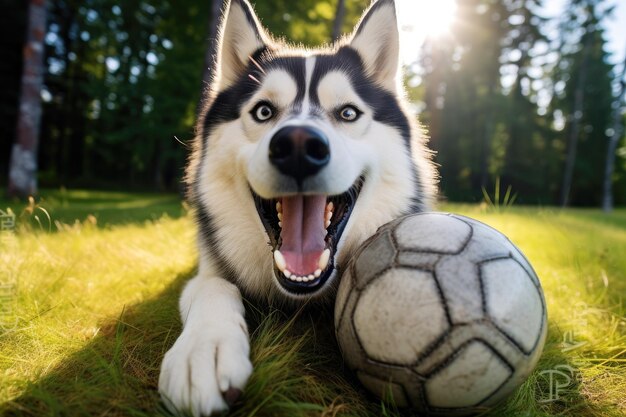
{"type": "Point", "coordinates": [262, 112]}
{"type": "Point", "coordinates": [349, 113]}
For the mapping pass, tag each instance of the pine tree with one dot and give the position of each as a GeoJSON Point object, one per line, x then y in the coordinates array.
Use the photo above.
{"type": "Point", "coordinates": [585, 100]}
{"type": "Point", "coordinates": [525, 137]}
{"type": "Point", "coordinates": [617, 131]}
{"type": "Point", "coordinates": [462, 88]}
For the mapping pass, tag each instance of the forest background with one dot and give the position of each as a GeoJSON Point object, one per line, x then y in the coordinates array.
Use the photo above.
{"type": "Point", "coordinates": [513, 99]}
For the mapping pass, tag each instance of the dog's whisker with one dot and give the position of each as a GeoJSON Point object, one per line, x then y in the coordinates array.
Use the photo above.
{"type": "Point", "coordinates": [253, 78]}
{"type": "Point", "coordinates": [256, 64]}
{"type": "Point", "coordinates": [181, 142]}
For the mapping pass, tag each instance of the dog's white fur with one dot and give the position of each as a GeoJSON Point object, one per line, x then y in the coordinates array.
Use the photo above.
{"type": "Point", "coordinates": [211, 355]}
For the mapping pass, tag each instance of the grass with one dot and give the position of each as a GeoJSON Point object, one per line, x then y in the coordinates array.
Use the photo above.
{"type": "Point", "coordinates": [95, 304]}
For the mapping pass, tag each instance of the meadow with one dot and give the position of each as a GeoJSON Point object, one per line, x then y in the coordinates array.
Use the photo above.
{"type": "Point", "coordinates": [90, 282]}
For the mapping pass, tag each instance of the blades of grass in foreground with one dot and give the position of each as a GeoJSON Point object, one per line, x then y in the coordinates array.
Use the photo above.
{"type": "Point", "coordinates": [97, 310]}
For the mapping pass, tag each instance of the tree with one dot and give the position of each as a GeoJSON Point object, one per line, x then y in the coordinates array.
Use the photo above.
{"type": "Point", "coordinates": [521, 124]}
{"type": "Point", "coordinates": [23, 165]}
{"type": "Point", "coordinates": [572, 143]}
{"type": "Point", "coordinates": [462, 88]}
{"type": "Point", "coordinates": [618, 129]}
{"type": "Point", "coordinates": [585, 98]}
{"type": "Point", "coordinates": [12, 38]}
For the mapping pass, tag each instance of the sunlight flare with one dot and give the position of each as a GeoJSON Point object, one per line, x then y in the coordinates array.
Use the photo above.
{"type": "Point", "coordinates": [429, 19]}
{"type": "Point", "coordinates": [420, 20]}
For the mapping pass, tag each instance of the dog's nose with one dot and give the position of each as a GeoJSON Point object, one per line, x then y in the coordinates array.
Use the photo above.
{"type": "Point", "coordinates": [299, 151]}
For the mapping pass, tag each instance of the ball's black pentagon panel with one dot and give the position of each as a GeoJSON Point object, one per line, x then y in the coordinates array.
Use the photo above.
{"type": "Point", "coordinates": [343, 292]}
{"type": "Point", "coordinates": [376, 256]}
{"type": "Point", "coordinates": [420, 260]}
{"type": "Point", "coordinates": [351, 348]}
{"type": "Point", "coordinates": [459, 281]}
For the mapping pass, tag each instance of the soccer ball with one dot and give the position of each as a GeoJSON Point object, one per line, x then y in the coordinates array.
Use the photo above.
{"type": "Point", "coordinates": [440, 313]}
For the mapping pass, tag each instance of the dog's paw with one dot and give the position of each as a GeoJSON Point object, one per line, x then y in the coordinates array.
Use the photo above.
{"type": "Point", "coordinates": [206, 370]}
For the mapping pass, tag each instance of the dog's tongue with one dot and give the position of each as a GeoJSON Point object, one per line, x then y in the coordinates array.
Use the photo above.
{"type": "Point", "coordinates": [303, 232]}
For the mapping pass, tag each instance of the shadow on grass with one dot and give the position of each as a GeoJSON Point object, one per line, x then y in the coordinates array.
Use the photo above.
{"type": "Point", "coordinates": [116, 372]}
{"type": "Point", "coordinates": [298, 371]}
{"type": "Point", "coordinates": [297, 367]}
{"type": "Point", "coordinates": [104, 208]}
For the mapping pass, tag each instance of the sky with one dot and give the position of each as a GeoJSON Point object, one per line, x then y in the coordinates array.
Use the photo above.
{"type": "Point", "coordinates": [421, 17]}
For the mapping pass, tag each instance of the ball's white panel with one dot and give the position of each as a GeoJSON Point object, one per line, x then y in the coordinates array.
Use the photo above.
{"type": "Point", "coordinates": [433, 232]}
{"type": "Point", "coordinates": [418, 259]}
{"type": "Point", "coordinates": [459, 336]}
{"type": "Point", "coordinates": [513, 301]}
{"type": "Point", "coordinates": [523, 368]}
{"type": "Point", "coordinates": [399, 315]}
{"type": "Point", "coordinates": [377, 255]}
{"type": "Point", "coordinates": [521, 258]}
{"type": "Point", "coordinates": [486, 242]}
{"type": "Point", "coordinates": [385, 389]}
{"type": "Point", "coordinates": [460, 284]}
{"type": "Point", "coordinates": [472, 376]}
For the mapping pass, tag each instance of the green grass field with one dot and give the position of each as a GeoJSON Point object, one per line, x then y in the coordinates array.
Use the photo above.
{"type": "Point", "coordinates": [90, 297]}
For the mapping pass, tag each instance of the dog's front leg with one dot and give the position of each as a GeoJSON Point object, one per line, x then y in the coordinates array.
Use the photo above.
{"type": "Point", "coordinates": [209, 364]}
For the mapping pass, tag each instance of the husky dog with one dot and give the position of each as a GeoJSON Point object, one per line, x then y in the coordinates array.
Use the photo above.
{"type": "Point", "coordinates": [300, 155]}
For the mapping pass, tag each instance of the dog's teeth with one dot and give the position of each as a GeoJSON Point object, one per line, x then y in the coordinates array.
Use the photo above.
{"type": "Point", "coordinates": [287, 273]}
{"type": "Point", "coordinates": [299, 279]}
{"type": "Point", "coordinates": [280, 216]}
{"type": "Point", "coordinates": [327, 224]}
{"type": "Point", "coordinates": [329, 215]}
{"type": "Point", "coordinates": [280, 224]}
{"type": "Point", "coordinates": [311, 277]}
{"type": "Point", "coordinates": [317, 273]}
{"type": "Point", "coordinates": [280, 260]}
{"type": "Point", "coordinates": [279, 207]}
{"type": "Point", "coordinates": [330, 206]}
{"type": "Point", "coordinates": [323, 262]}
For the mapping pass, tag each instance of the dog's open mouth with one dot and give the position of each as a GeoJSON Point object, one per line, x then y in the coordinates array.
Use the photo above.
{"type": "Point", "coordinates": [304, 231]}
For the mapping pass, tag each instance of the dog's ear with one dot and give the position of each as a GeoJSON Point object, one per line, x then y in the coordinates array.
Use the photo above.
{"type": "Point", "coordinates": [377, 40]}
{"type": "Point", "coordinates": [240, 36]}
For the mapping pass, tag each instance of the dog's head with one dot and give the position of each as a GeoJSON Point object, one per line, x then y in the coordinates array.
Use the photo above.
{"type": "Point", "coordinates": [307, 150]}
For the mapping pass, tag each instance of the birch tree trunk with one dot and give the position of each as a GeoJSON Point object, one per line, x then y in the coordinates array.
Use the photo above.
{"type": "Point", "coordinates": [618, 129]}
{"type": "Point", "coordinates": [23, 165]}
